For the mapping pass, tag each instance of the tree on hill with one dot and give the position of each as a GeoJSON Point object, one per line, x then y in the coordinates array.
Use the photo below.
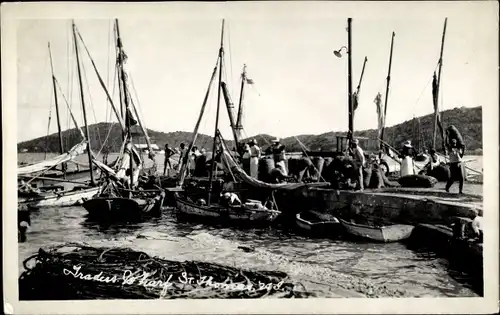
{"type": "Point", "coordinates": [467, 120]}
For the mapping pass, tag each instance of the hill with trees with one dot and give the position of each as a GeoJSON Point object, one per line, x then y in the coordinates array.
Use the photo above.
{"type": "Point", "coordinates": [467, 120]}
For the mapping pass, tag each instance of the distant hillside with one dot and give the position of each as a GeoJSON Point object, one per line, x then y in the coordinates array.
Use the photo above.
{"type": "Point", "coordinates": [467, 120]}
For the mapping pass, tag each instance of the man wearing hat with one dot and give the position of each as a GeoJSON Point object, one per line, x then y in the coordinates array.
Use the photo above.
{"type": "Point", "coordinates": [359, 160]}
{"type": "Point", "coordinates": [407, 154]}
{"type": "Point", "coordinates": [254, 158]}
{"type": "Point", "coordinates": [245, 158]}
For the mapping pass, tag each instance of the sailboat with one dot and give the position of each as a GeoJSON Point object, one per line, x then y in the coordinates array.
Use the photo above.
{"type": "Point", "coordinates": [390, 163]}
{"type": "Point", "coordinates": [46, 196]}
{"type": "Point", "coordinates": [206, 205]}
{"type": "Point", "coordinates": [119, 197]}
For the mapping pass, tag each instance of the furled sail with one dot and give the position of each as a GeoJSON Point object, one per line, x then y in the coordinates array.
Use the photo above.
{"type": "Point", "coordinates": [437, 114]}
{"type": "Point", "coordinates": [129, 153]}
{"type": "Point", "coordinates": [380, 115]}
{"type": "Point", "coordinates": [232, 167]}
{"type": "Point", "coordinates": [50, 163]}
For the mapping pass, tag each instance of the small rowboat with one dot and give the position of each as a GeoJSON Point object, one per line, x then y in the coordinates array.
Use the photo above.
{"type": "Point", "coordinates": [241, 215]}
{"type": "Point", "coordinates": [386, 234]}
{"type": "Point", "coordinates": [316, 223]}
{"type": "Point", "coordinates": [124, 209]}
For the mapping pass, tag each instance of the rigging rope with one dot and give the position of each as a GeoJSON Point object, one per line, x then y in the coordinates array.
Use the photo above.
{"type": "Point", "coordinates": [137, 98]}
{"type": "Point", "coordinates": [108, 108]}
{"type": "Point", "coordinates": [425, 88]}
{"type": "Point", "coordinates": [48, 130]}
{"type": "Point", "coordinates": [91, 105]}
{"type": "Point", "coordinates": [69, 110]}
{"type": "Point", "coordinates": [230, 58]}
{"type": "Point", "coordinates": [71, 74]}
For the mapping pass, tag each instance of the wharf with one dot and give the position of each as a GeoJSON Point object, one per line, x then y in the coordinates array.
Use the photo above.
{"type": "Point", "coordinates": [398, 205]}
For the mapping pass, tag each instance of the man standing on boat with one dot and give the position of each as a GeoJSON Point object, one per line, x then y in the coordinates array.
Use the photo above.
{"type": "Point", "coordinates": [182, 152]}
{"type": "Point", "coordinates": [168, 153]}
{"type": "Point", "coordinates": [246, 158]}
{"type": "Point", "coordinates": [254, 158]}
{"type": "Point", "coordinates": [455, 155]}
{"type": "Point", "coordinates": [279, 156]}
{"type": "Point", "coordinates": [359, 159]}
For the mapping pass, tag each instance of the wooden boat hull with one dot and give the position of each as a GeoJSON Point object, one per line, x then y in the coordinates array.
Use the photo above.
{"type": "Point", "coordinates": [329, 227]}
{"type": "Point", "coordinates": [233, 216]}
{"type": "Point", "coordinates": [385, 234]}
{"type": "Point", "coordinates": [59, 199]}
{"type": "Point", "coordinates": [118, 208]}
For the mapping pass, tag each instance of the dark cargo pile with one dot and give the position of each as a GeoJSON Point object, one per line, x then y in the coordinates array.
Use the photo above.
{"type": "Point", "coordinates": [75, 271]}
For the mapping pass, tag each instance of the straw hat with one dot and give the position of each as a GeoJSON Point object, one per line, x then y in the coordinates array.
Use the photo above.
{"type": "Point", "coordinates": [277, 140]}
{"type": "Point", "coordinates": [355, 141]}
{"type": "Point", "coordinates": [407, 144]}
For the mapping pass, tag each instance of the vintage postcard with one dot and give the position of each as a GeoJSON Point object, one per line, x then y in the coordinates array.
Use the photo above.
{"type": "Point", "coordinates": [250, 157]}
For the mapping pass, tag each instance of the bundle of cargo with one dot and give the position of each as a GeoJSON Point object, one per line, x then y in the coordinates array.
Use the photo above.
{"type": "Point", "coordinates": [417, 181]}
{"type": "Point", "coordinates": [76, 271]}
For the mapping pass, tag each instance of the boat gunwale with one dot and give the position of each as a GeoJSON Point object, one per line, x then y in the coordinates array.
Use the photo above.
{"type": "Point", "coordinates": [298, 217]}
{"type": "Point", "coordinates": [212, 208]}
{"type": "Point", "coordinates": [55, 196]}
{"type": "Point", "coordinates": [372, 227]}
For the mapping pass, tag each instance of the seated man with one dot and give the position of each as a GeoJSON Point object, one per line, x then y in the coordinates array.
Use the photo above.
{"type": "Point", "coordinates": [230, 199]}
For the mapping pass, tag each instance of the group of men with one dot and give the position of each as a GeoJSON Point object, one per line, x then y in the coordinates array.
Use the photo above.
{"type": "Point", "coordinates": [252, 155]}
{"type": "Point", "coordinates": [169, 152]}
{"type": "Point", "coordinates": [407, 158]}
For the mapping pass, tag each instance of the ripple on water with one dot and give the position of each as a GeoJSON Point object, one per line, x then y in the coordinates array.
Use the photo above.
{"type": "Point", "coordinates": [372, 269]}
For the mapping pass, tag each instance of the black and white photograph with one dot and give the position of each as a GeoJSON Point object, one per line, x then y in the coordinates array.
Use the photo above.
{"type": "Point", "coordinates": [310, 156]}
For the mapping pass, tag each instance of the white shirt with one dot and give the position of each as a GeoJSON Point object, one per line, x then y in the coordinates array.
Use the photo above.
{"type": "Point", "coordinates": [359, 156]}
{"type": "Point", "coordinates": [438, 161]}
{"type": "Point", "coordinates": [477, 224]}
{"type": "Point", "coordinates": [255, 151]}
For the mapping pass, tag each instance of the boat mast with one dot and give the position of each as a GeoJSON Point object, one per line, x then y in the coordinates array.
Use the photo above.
{"type": "Point", "coordinates": [350, 135]}
{"type": "Point", "coordinates": [358, 88]}
{"type": "Point", "coordinates": [82, 98]}
{"type": "Point", "coordinates": [182, 172]}
{"type": "Point", "coordinates": [61, 148]}
{"type": "Point", "coordinates": [121, 88]}
{"type": "Point", "coordinates": [125, 99]}
{"type": "Point", "coordinates": [214, 163]}
{"type": "Point", "coordinates": [438, 85]}
{"type": "Point", "coordinates": [239, 125]}
{"type": "Point", "coordinates": [387, 90]}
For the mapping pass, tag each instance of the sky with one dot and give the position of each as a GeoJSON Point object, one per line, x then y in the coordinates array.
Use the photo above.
{"type": "Point", "coordinates": [300, 86]}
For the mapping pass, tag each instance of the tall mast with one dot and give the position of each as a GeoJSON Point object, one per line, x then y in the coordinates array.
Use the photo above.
{"type": "Point", "coordinates": [239, 125]}
{"type": "Point", "coordinates": [214, 163]}
{"type": "Point", "coordinates": [438, 85]}
{"type": "Point", "coordinates": [350, 135]}
{"type": "Point", "coordinates": [362, 73]}
{"type": "Point", "coordinates": [387, 89]}
{"type": "Point", "coordinates": [121, 88]}
{"type": "Point", "coordinates": [61, 147]}
{"type": "Point", "coordinates": [125, 99]}
{"type": "Point", "coordinates": [82, 98]}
